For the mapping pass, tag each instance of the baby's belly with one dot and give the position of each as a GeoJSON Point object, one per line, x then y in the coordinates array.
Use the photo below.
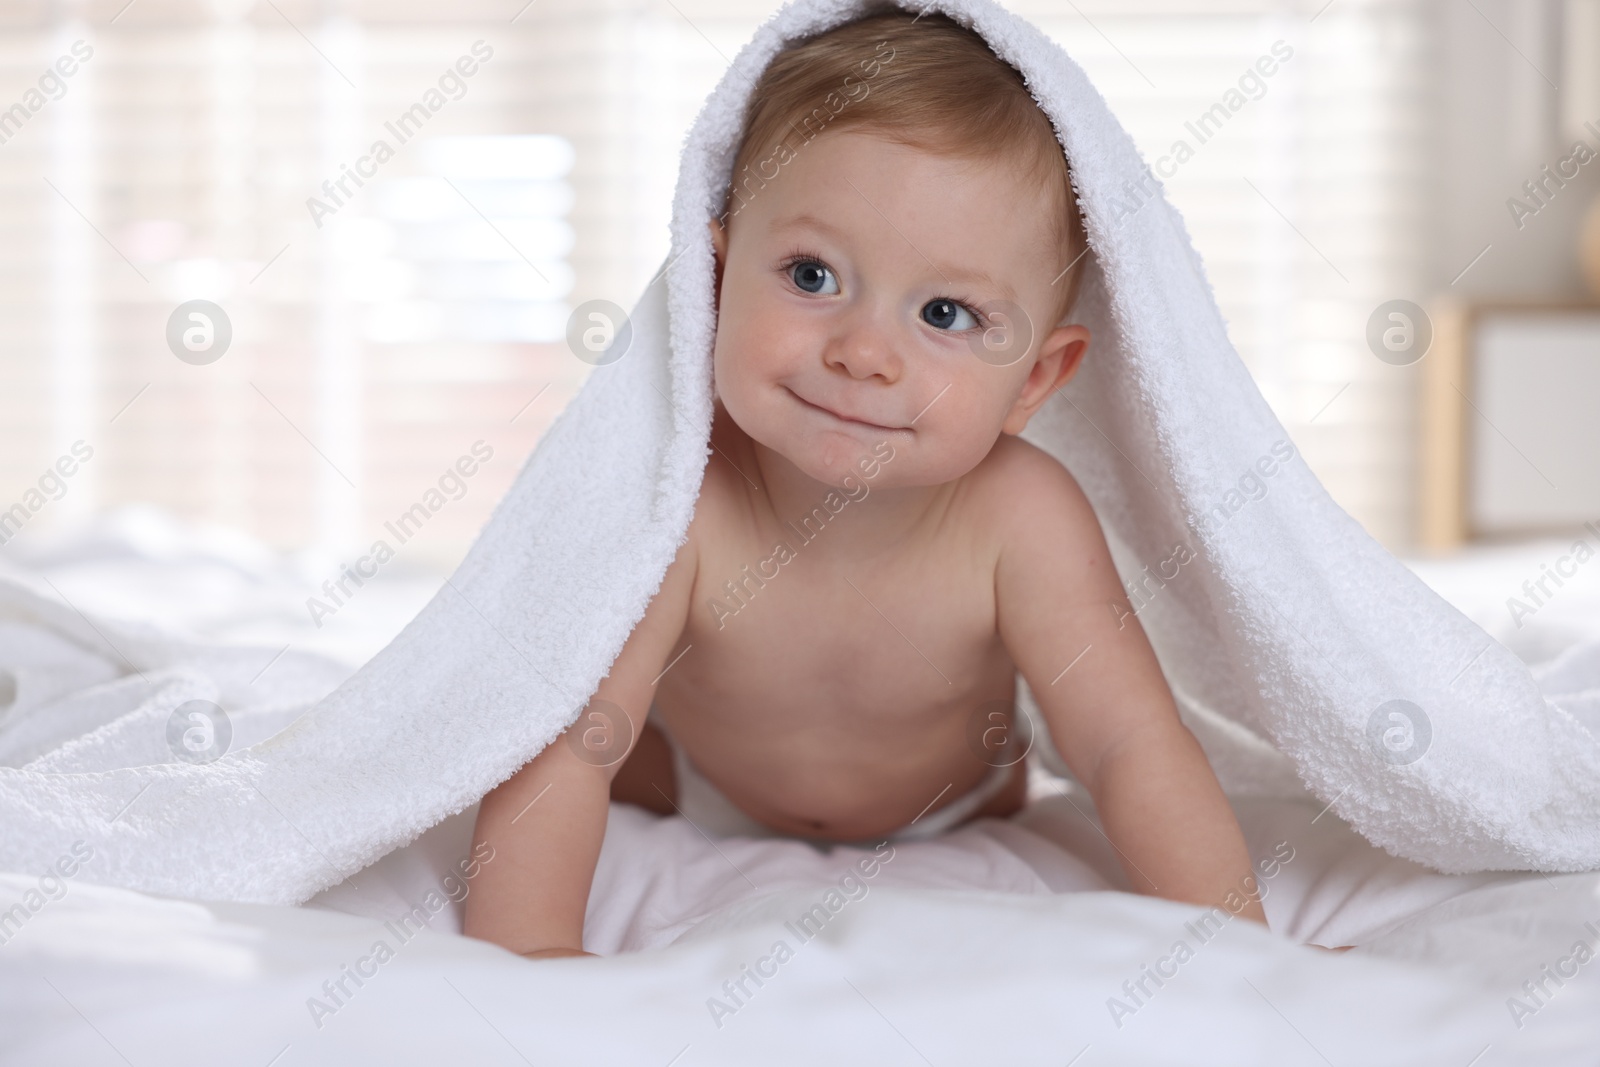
{"type": "Point", "coordinates": [842, 777]}
{"type": "Point", "coordinates": [818, 716]}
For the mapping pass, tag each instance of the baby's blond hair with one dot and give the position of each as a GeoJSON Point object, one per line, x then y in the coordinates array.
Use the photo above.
{"type": "Point", "coordinates": [927, 82]}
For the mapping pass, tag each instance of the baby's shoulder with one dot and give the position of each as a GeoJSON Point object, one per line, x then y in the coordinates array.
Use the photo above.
{"type": "Point", "coordinates": [1015, 470]}
{"type": "Point", "coordinates": [1021, 486]}
{"type": "Point", "coordinates": [723, 498]}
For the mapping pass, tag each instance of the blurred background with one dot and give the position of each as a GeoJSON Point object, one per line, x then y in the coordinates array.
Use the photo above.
{"type": "Point", "coordinates": [381, 314]}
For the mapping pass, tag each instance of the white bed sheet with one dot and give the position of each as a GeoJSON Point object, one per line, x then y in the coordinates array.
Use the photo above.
{"type": "Point", "coordinates": [1000, 941]}
{"type": "Point", "coordinates": [917, 969]}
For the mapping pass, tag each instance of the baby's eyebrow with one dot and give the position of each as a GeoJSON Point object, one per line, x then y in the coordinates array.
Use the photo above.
{"type": "Point", "coordinates": [803, 220]}
{"type": "Point", "coordinates": [949, 274]}
{"type": "Point", "coordinates": [978, 277]}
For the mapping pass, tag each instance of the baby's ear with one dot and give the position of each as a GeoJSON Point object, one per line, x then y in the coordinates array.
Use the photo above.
{"type": "Point", "coordinates": [719, 238]}
{"type": "Point", "coordinates": [1060, 355]}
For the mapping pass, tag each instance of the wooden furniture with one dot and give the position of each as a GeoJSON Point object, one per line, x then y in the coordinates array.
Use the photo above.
{"type": "Point", "coordinates": [1510, 422]}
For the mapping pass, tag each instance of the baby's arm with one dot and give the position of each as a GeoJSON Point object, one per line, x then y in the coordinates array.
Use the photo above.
{"type": "Point", "coordinates": [1111, 715]}
{"type": "Point", "coordinates": [546, 822]}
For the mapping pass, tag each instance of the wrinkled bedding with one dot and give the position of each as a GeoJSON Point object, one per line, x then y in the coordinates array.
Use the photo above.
{"type": "Point", "coordinates": [994, 944]}
{"type": "Point", "coordinates": [1003, 941]}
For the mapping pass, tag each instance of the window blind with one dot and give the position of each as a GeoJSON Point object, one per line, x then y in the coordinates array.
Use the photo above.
{"type": "Point", "coordinates": [197, 154]}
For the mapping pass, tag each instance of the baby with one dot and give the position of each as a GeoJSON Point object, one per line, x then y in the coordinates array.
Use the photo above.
{"type": "Point", "coordinates": [875, 553]}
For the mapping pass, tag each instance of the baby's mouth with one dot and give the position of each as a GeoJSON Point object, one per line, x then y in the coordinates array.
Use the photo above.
{"type": "Point", "coordinates": [830, 413]}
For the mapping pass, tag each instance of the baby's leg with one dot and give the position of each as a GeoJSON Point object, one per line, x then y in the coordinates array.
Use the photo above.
{"type": "Point", "coordinates": [1008, 801]}
{"type": "Point", "coordinates": [647, 774]}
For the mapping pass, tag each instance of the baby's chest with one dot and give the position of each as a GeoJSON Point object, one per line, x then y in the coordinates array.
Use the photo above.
{"type": "Point", "coordinates": [877, 631]}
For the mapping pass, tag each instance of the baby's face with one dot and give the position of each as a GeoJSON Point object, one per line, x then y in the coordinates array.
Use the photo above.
{"type": "Point", "coordinates": [852, 309]}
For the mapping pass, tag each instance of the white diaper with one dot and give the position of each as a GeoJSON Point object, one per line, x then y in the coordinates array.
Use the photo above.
{"type": "Point", "coordinates": [706, 807]}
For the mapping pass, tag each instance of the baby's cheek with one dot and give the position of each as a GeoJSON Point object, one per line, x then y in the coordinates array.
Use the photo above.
{"type": "Point", "coordinates": [729, 373]}
{"type": "Point", "coordinates": [968, 429]}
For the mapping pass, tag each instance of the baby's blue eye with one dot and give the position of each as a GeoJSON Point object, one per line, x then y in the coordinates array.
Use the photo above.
{"type": "Point", "coordinates": [947, 315]}
{"type": "Point", "coordinates": [813, 277]}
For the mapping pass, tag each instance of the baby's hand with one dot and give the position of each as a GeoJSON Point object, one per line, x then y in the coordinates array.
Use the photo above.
{"type": "Point", "coordinates": [553, 953]}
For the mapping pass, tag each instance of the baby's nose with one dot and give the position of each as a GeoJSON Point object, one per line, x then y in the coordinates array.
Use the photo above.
{"type": "Point", "coordinates": [864, 353]}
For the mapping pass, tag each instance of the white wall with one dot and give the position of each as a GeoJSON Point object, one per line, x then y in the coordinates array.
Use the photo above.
{"type": "Point", "coordinates": [1500, 121]}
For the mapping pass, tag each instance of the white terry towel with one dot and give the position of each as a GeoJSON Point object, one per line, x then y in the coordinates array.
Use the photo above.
{"type": "Point", "coordinates": [1286, 637]}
